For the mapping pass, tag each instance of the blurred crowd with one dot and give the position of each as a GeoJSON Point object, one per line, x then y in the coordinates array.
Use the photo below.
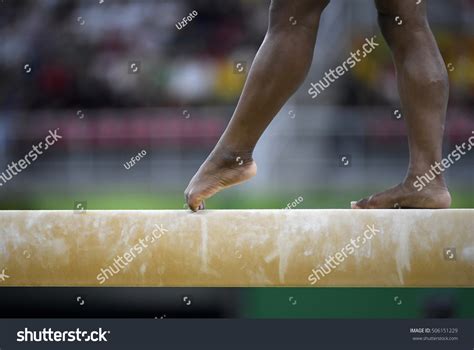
{"type": "Point", "coordinates": [70, 54]}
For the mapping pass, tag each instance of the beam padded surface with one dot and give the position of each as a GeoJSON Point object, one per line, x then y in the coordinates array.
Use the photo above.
{"type": "Point", "coordinates": [238, 248]}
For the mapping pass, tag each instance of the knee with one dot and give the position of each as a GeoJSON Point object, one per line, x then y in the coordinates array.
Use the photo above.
{"type": "Point", "coordinates": [398, 18]}
{"type": "Point", "coordinates": [431, 76]}
{"type": "Point", "coordinates": [304, 12]}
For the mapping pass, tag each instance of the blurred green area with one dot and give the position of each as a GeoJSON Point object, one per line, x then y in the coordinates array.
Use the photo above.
{"type": "Point", "coordinates": [148, 199]}
{"type": "Point", "coordinates": [363, 303]}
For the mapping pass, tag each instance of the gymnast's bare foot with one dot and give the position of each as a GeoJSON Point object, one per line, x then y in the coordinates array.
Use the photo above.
{"type": "Point", "coordinates": [405, 195]}
{"type": "Point", "coordinates": [221, 169]}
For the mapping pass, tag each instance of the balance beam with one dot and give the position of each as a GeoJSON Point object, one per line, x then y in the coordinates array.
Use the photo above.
{"type": "Point", "coordinates": [412, 248]}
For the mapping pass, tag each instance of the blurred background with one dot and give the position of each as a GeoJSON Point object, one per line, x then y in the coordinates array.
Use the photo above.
{"type": "Point", "coordinates": [120, 77]}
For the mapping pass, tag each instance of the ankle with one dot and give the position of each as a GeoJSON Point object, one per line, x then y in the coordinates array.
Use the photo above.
{"type": "Point", "coordinates": [417, 180]}
{"type": "Point", "coordinates": [229, 157]}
